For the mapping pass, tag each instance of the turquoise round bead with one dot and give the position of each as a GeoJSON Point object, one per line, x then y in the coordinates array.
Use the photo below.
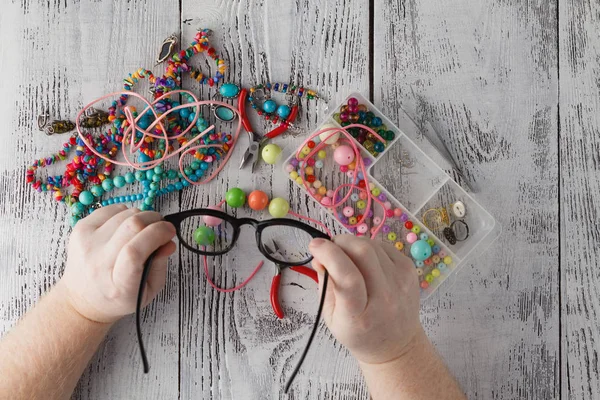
{"type": "Point", "coordinates": [140, 196]}
{"type": "Point", "coordinates": [107, 184]}
{"type": "Point", "coordinates": [171, 174]}
{"type": "Point", "coordinates": [143, 158]}
{"type": "Point", "coordinates": [119, 181]}
{"type": "Point", "coordinates": [77, 208]}
{"type": "Point", "coordinates": [149, 174]}
{"type": "Point", "coordinates": [171, 187]}
{"type": "Point", "coordinates": [283, 111]}
{"type": "Point", "coordinates": [154, 186]}
{"type": "Point", "coordinates": [188, 171]}
{"type": "Point", "coordinates": [269, 106]}
{"type": "Point", "coordinates": [229, 90]}
{"type": "Point", "coordinates": [144, 207]}
{"type": "Point", "coordinates": [111, 201]}
{"type": "Point", "coordinates": [156, 178]}
{"type": "Point", "coordinates": [97, 190]}
{"type": "Point", "coordinates": [86, 198]}
{"type": "Point", "coordinates": [149, 200]}
{"type": "Point", "coordinates": [152, 193]}
{"type": "Point", "coordinates": [158, 169]}
{"type": "Point", "coordinates": [185, 183]}
{"type": "Point", "coordinates": [195, 165]}
{"type": "Point", "coordinates": [178, 185]}
{"type": "Point", "coordinates": [73, 220]}
{"type": "Point", "coordinates": [140, 175]}
{"type": "Point", "coordinates": [420, 250]}
{"type": "Point", "coordinates": [129, 177]}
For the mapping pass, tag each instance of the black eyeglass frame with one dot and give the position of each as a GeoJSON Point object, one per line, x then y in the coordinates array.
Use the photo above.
{"type": "Point", "coordinates": [176, 220]}
{"type": "Point", "coordinates": [237, 223]}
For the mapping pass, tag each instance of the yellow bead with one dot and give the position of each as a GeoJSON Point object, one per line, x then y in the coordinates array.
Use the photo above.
{"type": "Point", "coordinates": [305, 150]}
{"type": "Point", "coordinates": [322, 190]}
{"type": "Point", "coordinates": [399, 245]}
{"type": "Point", "coordinates": [371, 186]}
{"type": "Point", "coordinates": [416, 229]}
{"type": "Point", "coordinates": [375, 192]}
{"type": "Point", "coordinates": [431, 242]}
{"type": "Point", "coordinates": [317, 184]}
{"type": "Point", "coordinates": [361, 204]}
{"type": "Point", "coordinates": [293, 175]}
{"type": "Point", "coordinates": [429, 278]}
{"type": "Point", "coordinates": [352, 220]}
{"type": "Point", "coordinates": [299, 180]}
{"type": "Point", "coordinates": [301, 155]}
{"type": "Point", "coordinates": [309, 171]}
{"type": "Point", "coordinates": [420, 271]}
{"type": "Point", "coordinates": [391, 236]}
{"type": "Point", "coordinates": [435, 259]}
{"type": "Point", "coordinates": [435, 272]}
{"type": "Point", "coordinates": [322, 154]}
{"type": "Point", "coordinates": [447, 260]}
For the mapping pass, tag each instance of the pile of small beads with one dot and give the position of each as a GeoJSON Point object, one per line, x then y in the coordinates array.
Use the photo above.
{"type": "Point", "coordinates": [355, 113]}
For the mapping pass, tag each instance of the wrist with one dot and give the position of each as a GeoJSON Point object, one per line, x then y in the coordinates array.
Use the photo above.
{"type": "Point", "coordinates": [416, 349]}
{"type": "Point", "coordinates": [67, 303]}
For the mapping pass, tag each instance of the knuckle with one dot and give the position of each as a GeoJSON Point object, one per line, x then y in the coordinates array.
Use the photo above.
{"type": "Point", "coordinates": [130, 253]}
{"type": "Point", "coordinates": [362, 247]}
{"type": "Point", "coordinates": [135, 223]}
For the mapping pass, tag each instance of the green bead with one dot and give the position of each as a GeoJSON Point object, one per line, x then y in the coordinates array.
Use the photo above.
{"type": "Point", "coordinates": [77, 208]}
{"type": "Point", "coordinates": [140, 175]}
{"type": "Point", "coordinates": [152, 193]}
{"type": "Point", "coordinates": [158, 169]}
{"type": "Point", "coordinates": [149, 174]}
{"type": "Point", "coordinates": [86, 198]}
{"type": "Point", "coordinates": [195, 165]}
{"type": "Point", "coordinates": [171, 174]}
{"type": "Point", "coordinates": [278, 207]}
{"type": "Point", "coordinates": [129, 177]}
{"type": "Point", "coordinates": [235, 197]}
{"type": "Point", "coordinates": [270, 153]}
{"type": "Point", "coordinates": [204, 236]}
{"type": "Point", "coordinates": [156, 178]}
{"type": "Point", "coordinates": [107, 185]}
{"type": "Point", "coordinates": [149, 201]}
{"type": "Point", "coordinates": [154, 186]}
{"type": "Point", "coordinates": [97, 190]}
{"type": "Point", "coordinates": [119, 181]}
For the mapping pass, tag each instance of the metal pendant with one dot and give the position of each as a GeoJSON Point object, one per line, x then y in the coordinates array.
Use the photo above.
{"type": "Point", "coordinates": [52, 127]}
{"type": "Point", "coordinates": [94, 118]}
{"type": "Point", "coordinates": [167, 48]}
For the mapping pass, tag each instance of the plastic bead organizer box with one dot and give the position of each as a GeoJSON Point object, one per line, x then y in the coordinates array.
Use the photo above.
{"type": "Point", "coordinates": [430, 218]}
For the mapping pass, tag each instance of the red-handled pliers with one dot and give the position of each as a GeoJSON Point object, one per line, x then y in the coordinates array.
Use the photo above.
{"type": "Point", "coordinates": [275, 283]}
{"type": "Point", "coordinates": [256, 142]}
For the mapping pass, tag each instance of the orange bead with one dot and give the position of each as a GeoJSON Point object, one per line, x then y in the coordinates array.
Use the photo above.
{"type": "Point", "coordinates": [258, 200]}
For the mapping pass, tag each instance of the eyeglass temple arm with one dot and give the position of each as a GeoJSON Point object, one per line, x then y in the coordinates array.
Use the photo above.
{"type": "Point", "coordinates": [312, 334]}
{"type": "Point", "coordinates": [138, 310]}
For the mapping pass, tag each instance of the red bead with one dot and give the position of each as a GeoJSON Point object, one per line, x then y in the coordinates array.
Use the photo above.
{"type": "Point", "coordinates": [362, 184]}
{"type": "Point", "coordinates": [311, 178]}
{"type": "Point", "coordinates": [311, 144]}
{"type": "Point", "coordinates": [408, 225]}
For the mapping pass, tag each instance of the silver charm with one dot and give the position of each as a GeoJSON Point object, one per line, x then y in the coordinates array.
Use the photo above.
{"type": "Point", "coordinates": [166, 49]}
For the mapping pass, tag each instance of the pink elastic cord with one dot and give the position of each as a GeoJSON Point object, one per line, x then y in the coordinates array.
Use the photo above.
{"type": "Point", "coordinates": [360, 167]}
{"type": "Point", "coordinates": [130, 144]}
{"type": "Point", "coordinates": [260, 264]}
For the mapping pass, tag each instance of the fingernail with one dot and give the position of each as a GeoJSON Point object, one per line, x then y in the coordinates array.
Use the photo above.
{"type": "Point", "coordinates": [317, 242]}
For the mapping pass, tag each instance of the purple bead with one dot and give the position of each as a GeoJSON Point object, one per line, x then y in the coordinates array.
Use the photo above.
{"type": "Point", "coordinates": [404, 218]}
{"type": "Point", "coordinates": [352, 102]}
{"type": "Point", "coordinates": [367, 161]}
{"type": "Point", "coordinates": [344, 117]}
{"type": "Point", "coordinates": [382, 197]}
{"type": "Point", "coordinates": [344, 220]}
{"type": "Point", "coordinates": [386, 229]}
{"type": "Point", "coordinates": [370, 214]}
{"type": "Point", "coordinates": [294, 162]}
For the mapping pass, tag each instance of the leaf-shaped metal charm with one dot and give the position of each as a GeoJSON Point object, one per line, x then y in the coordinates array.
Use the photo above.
{"type": "Point", "coordinates": [167, 48]}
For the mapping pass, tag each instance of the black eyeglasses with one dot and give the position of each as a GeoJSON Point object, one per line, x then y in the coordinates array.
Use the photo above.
{"type": "Point", "coordinates": [212, 233]}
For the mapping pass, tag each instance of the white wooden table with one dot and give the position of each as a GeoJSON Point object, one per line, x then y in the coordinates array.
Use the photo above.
{"type": "Point", "coordinates": [512, 86]}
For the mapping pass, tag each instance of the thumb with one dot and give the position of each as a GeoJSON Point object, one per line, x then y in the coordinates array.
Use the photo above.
{"type": "Point", "coordinates": [329, 303]}
{"type": "Point", "coordinates": [158, 272]}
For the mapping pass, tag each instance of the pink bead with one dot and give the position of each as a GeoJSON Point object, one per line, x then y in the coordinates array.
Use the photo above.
{"type": "Point", "coordinates": [289, 168]}
{"type": "Point", "coordinates": [312, 190]}
{"type": "Point", "coordinates": [362, 195]}
{"type": "Point", "coordinates": [411, 237]}
{"type": "Point", "coordinates": [362, 228]}
{"type": "Point", "coordinates": [398, 212]}
{"type": "Point", "coordinates": [344, 117]}
{"type": "Point", "coordinates": [330, 193]}
{"type": "Point", "coordinates": [389, 213]}
{"type": "Point", "coordinates": [210, 220]}
{"type": "Point", "coordinates": [442, 253]}
{"type": "Point", "coordinates": [377, 220]}
{"type": "Point", "coordinates": [350, 174]}
{"type": "Point", "coordinates": [373, 229]}
{"type": "Point", "coordinates": [343, 155]}
{"type": "Point", "coordinates": [343, 168]}
{"type": "Point", "coordinates": [352, 109]}
{"type": "Point", "coordinates": [387, 205]}
{"type": "Point", "coordinates": [353, 101]}
{"type": "Point", "coordinates": [359, 234]}
{"type": "Point", "coordinates": [318, 197]}
{"type": "Point", "coordinates": [348, 211]}
{"type": "Point", "coordinates": [310, 162]}
{"type": "Point", "coordinates": [326, 201]}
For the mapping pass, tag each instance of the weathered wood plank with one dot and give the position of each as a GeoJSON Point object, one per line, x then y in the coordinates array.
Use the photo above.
{"type": "Point", "coordinates": [232, 344]}
{"type": "Point", "coordinates": [487, 75]}
{"type": "Point", "coordinates": [580, 197]}
{"type": "Point", "coordinates": [61, 55]}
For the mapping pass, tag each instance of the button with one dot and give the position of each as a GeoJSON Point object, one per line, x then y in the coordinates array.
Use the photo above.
{"type": "Point", "coordinates": [459, 209]}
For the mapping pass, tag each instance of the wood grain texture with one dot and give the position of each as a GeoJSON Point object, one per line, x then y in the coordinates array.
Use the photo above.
{"type": "Point", "coordinates": [580, 197]}
{"type": "Point", "coordinates": [232, 345]}
{"type": "Point", "coordinates": [485, 74]}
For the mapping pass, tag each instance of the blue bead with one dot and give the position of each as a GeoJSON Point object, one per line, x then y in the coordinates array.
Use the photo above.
{"type": "Point", "coordinates": [144, 122]}
{"type": "Point", "coordinates": [140, 176]}
{"type": "Point", "coordinates": [376, 121]}
{"type": "Point", "coordinates": [171, 174]}
{"type": "Point", "coordinates": [185, 183]}
{"type": "Point", "coordinates": [178, 185]}
{"type": "Point", "coordinates": [149, 200]}
{"type": "Point", "coordinates": [195, 165]}
{"type": "Point", "coordinates": [229, 90]}
{"type": "Point", "coordinates": [191, 117]}
{"type": "Point", "coordinates": [441, 266]}
{"type": "Point", "coordinates": [318, 164]}
{"type": "Point", "coordinates": [269, 106]}
{"type": "Point", "coordinates": [111, 201]}
{"type": "Point", "coordinates": [360, 175]}
{"type": "Point", "coordinates": [149, 174]}
{"type": "Point", "coordinates": [107, 185]}
{"type": "Point", "coordinates": [97, 190]}
{"type": "Point", "coordinates": [225, 114]}
{"type": "Point", "coordinates": [185, 113]}
{"type": "Point", "coordinates": [86, 198]}
{"type": "Point", "coordinates": [119, 181]}
{"type": "Point", "coordinates": [420, 250]}
{"type": "Point", "coordinates": [104, 203]}
{"type": "Point", "coordinates": [436, 249]}
{"type": "Point", "coordinates": [143, 207]}
{"type": "Point", "coordinates": [175, 104]}
{"type": "Point", "coordinates": [151, 193]}
{"type": "Point", "coordinates": [129, 177]}
{"type": "Point", "coordinates": [140, 196]}
{"type": "Point", "coordinates": [77, 208]}
{"type": "Point", "coordinates": [171, 188]}
{"type": "Point", "coordinates": [143, 157]}
{"type": "Point", "coordinates": [379, 147]}
{"type": "Point", "coordinates": [154, 186]}
{"type": "Point", "coordinates": [128, 198]}
{"type": "Point", "coordinates": [419, 263]}
{"type": "Point", "coordinates": [283, 111]}
{"type": "Point", "coordinates": [158, 169]}
{"type": "Point", "coordinates": [156, 178]}
{"type": "Point", "coordinates": [188, 171]}
{"type": "Point", "coordinates": [204, 166]}
{"type": "Point", "coordinates": [424, 236]}
{"type": "Point", "coordinates": [73, 220]}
